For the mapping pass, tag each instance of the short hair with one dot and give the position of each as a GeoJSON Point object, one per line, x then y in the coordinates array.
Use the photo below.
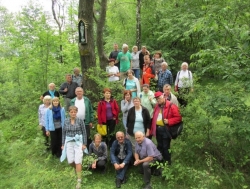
{"type": "Point", "coordinates": [140, 133]}
{"type": "Point", "coordinates": [144, 47]}
{"type": "Point", "coordinates": [126, 92]}
{"type": "Point", "coordinates": [184, 64]}
{"type": "Point", "coordinates": [124, 46]}
{"type": "Point", "coordinates": [133, 73]}
{"type": "Point", "coordinates": [106, 90]}
{"type": "Point", "coordinates": [120, 132]}
{"type": "Point", "coordinates": [47, 97]}
{"type": "Point", "coordinates": [73, 108]}
{"type": "Point", "coordinates": [164, 63]}
{"type": "Point", "coordinates": [146, 56]}
{"type": "Point", "coordinates": [167, 85]}
{"type": "Point", "coordinates": [137, 98]}
{"type": "Point", "coordinates": [97, 135]}
{"type": "Point", "coordinates": [68, 75]}
{"type": "Point", "coordinates": [51, 84]}
{"type": "Point", "coordinates": [76, 69]}
{"type": "Point", "coordinates": [159, 53]}
{"type": "Point", "coordinates": [145, 85]}
{"type": "Point", "coordinates": [79, 88]}
{"type": "Point", "coordinates": [134, 47]}
{"type": "Point", "coordinates": [55, 99]}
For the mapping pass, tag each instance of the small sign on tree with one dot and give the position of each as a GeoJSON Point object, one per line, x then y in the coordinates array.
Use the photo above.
{"type": "Point", "coordinates": [82, 29]}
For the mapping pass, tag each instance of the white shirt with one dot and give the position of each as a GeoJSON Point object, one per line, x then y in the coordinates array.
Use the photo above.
{"type": "Point", "coordinates": [184, 79]}
{"type": "Point", "coordinates": [113, 70]}
{"type": "Point", "coordinates": [81, 108]}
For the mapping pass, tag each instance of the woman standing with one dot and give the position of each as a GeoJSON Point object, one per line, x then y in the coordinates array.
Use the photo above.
{"type": "Point", "coordinates": [54, 121]}
{"type": "Point", "coordinates": [107, 112]}
{"type": "Point", "coordinates": [41, 115]}
{"type": "Point", "coordinates": [99, 148]}
{"type": "Point", "coordinates": [126, 104]}
{"type": "Point", "coordinates": [135, 61]}
{"type": "Point", "coordinates": [157, 59]}
{"type": "Point", "coordinates": [183, 83]}
{"type": "Point", "coordinates": [138, 120]}
{"type": "Point", "coordinates": [132, 83]}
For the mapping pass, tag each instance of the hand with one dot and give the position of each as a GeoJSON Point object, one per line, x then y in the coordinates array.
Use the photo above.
{"type": "Point", "coordinates": [147, 133]}
{"type": "Point", "coordinates": [175, 88]}
{"type": "Point", "coordinates": [122, 165]}
{"type": "Point", "coordinates": [90, 125]}
{"type": "Point", "coordinates": [165, 121]}
{"type": "Point", "coordinates": [62, 147]}
{"type": "Point", "coordinates": [100, 125]}
{"type": "Point", "coordinates": [114, 118]}
{"type": "Point", "coordinates": [41, 97]}
{"type": "Point", "coordinates": [83, 147]}
{"type": "Point", "coordinates": [94, 165]}
{"type": "Point", "coordinates": [137, 162]}
{"type": "Point", "coordinates": [150, 98]}
{"type": "Point", "coordinates": [65, 90]}
{"type": "Point", "coordinates": [117, 167]}
{"type": "Point", "coordinates": [47, 133]}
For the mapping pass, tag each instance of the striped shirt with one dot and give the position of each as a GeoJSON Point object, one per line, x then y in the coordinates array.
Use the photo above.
{"type": "Point", "coordinates": [71, 130]}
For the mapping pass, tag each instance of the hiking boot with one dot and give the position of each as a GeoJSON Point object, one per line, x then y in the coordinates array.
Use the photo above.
{"type": "Point", "coordinates": [118, 183]}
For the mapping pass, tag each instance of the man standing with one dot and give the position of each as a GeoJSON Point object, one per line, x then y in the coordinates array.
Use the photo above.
{"type": "Point", "coordinates": [125, 59]}
{"type": "Point", "coordinates": [85, 111]}
{"type": "Point", "coordinates": [67, 89]}
{"type": "Point", "coordinates": [141, 56]}
{"type": "Point", "coordinates": [146, 153]}
{"type": "Point", "coordinates": [165, 114]}
{"type": "Point", "coordinates": [77, 77]}
{"type": "Point", "coordinates": [120, 154]}
{"type": "Point", "coordinates": [170, 96]}
{"type": "Point", "coordinates": [164, 76]}
{"type": "Point", "coordinates": [114, 54]}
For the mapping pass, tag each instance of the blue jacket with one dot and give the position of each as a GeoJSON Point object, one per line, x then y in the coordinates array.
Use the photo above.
{"type": "Point", "coordinates": [115, 149]}
{"type": "Point", "coordinates": [49, 123]}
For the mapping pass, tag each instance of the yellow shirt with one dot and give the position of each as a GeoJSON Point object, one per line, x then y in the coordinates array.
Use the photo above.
{"type": "Point", "coordinates": [159, 120]}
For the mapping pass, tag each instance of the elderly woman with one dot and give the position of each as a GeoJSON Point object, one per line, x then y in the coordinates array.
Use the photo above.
{"type": "Point", "coordinates": [99, 148]}
{"type": "Point", "coordinates": [157, 59]}
{"type": "Point", "coordinates": [107, 112]}
{"type": "Point", "coordinates": [132, 83]}
{"type": "Point", "coordinates": [51, 92]}
{"type": "Point", "coordinates": [138, 120]}
{"type": "Point", "coordinates": [135, 61]}
{"type": "Point", "coordinates": [54, 121]}
{"type": "Point", "coordinates": [126, 104]}
{"type": "Point", "coordinates": [148, 70]}
{"type": "Point", "coordinates": [41, 115]}
{"type": "Point", "coordinates": [183, 83]}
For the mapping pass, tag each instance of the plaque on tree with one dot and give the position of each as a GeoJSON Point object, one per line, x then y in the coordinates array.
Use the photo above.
{"type": "Point", "coordinates": [82, 32]}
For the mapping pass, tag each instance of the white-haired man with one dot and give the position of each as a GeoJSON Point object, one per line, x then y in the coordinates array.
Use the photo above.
{"type": "Point", "coordinates": [170, 96]}
{"type": "Point", "coordinates": [125, 59]}
{"type": "Point", "coordinates": [164, 76]}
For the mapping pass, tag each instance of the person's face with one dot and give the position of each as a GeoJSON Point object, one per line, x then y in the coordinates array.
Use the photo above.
{"type": "Point", "coordinates": [145, 89]}
{"type": "Point", "coordinates": [68, 78]}
{"type": "Point", "coordinates": [107, 95]}
{"type": "Point", "coordinates": [127, 97]}
{"type": "Point", "coordinates": [157, 55]}
{"type": "Point", "coordinates": [166, 90]}
{"type": "Point", "coordinates": [79, 93]}
{"type": "Point", "coordinates": [111, 63]}
{"type": "Point", "coordinates": [135, 49]}
{"type": "Point", "coordinates": [163, 67]}
{"type": "Point", "coordinates": [184, 67]}
{"type": "Point", "coordinates": [130, 74]}
{"type": "Point", "coordinates": [125, 49]}
{"type": "Point", "coordinates": [72, 113]}
{"type": "Point", "coordinates": [47, 102]}
{"type": "Point", "coordinates": [115, 46]}
{"type": "Point", "coordinates": [76, 71]}
{"type": "Point", "coordinates": [55, 103]}
{"type": "Point", "coordinates": [120, 137]}
{"type": "Point", "coordinates": [97, 141]}
{"type": "Point", "coordinates": [143, 50]}
{"type": "Point", "coordinates": [146, 59]}
{"type": "Point", "coordinates": [52, 87]}
{"type": "Point", "coordinates": [160, 100]}
{"type": "Point", "coordinates": [137, 103]}
{"type": "Point", "coordinates": [139, 138]}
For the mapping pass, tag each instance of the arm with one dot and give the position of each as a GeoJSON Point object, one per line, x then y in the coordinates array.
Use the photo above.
{"type": "Point", "coordinates": [39, 115]}
{"type": "Point", "coordinates": [99, 112]}
{"type": "Point", "coordinates": [129, 152]}
{"type": "Point", "coordinates": [47, 114]}
{"type": "Point", "coordinates": [170, 78]}
{"type": "Point", "coordinates": [138, 87]}
{"type": "Point", "coordinates": [124, 106]}
{"type": "Point", "coordinates": [84, 134]}
{"type": "Point", "coordinates": [62, 117]}
{"type": "Point", "coordinates": [112, 153]}
{"type": "Point", "coordinates": [61, 90]}
{"type": "Point", "coordinates": [175, 115]}
{"type": "Point", "coordinates": [105, 152]}
{"type": "Point", "coordinates": [116, 110]}
{"type": "Point", "coordinates": [63, 134]}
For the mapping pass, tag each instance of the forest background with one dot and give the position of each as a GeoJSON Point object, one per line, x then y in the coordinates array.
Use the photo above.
{"type": "Point", "coordinates": [37, 48]}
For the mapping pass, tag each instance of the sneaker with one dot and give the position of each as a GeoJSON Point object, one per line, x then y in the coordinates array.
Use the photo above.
{"type": "Point", "coordinates": [118, 183]}
{"type": "Point", "coordinates": [78, 185]}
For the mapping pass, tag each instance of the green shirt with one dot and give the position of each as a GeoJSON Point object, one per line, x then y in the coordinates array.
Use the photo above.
{"type": "Point", "coordinates": [124, 60]}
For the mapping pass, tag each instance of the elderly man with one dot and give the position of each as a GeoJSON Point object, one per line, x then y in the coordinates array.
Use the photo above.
{"type": "Point", "coordinates": [120, 155]}
{"type": "Point", "coordinates": [114, 54]}
{"type": "Point", "coordinates": [77, 77]}
{"type": "Point", "coordinates": [125, 59]}
{"type": "Point", "coordinates": [170, 96]}
{"type": "Point", "coordinates": [67, 89]}
{"type": "Point", "coordinates": [165, 114]}
{"type": "Point", "coordinates": [85, 111]}
{"type": "Point", "coordinates": [164, 76]}
{"type": "Point", "coordinates": [146, 153]}
{"type": "Point", "coordinates": [51, 92]}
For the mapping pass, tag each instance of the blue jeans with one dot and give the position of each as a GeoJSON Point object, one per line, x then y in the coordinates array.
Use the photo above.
{"type": "Point", "coordinates": [120, 174]}
{"type": "Point", "coordinates": [137, 73]}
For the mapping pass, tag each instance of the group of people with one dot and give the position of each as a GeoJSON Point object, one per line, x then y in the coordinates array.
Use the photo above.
{"type": "Point", "coordinates": [145, 114]}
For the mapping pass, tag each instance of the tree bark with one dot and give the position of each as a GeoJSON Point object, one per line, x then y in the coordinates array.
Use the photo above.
{"type": "Point", "coordinates": [138, 24]}
{"type": "Point", "coordinates": [87, 51]}
{"type": "Point", "coordinates": [99, 38]}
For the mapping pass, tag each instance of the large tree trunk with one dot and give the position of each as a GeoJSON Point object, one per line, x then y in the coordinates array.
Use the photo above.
{"type": "Point", "coordinates": [87, 51]}
{"type": "Point", "coordinates": [99, 38]}
{"type": "Point", "coordinates": [138, 24]}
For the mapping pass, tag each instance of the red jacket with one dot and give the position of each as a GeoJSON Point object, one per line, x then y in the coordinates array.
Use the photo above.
{"type": "Point", "coordinates": [173, 117]}
{"type": "Point", "coordinates": [101, 110]}
{"type": "Point", "coordinates": [147, 75]}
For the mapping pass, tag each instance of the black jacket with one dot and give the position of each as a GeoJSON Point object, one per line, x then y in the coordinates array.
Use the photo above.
{"type": "Point", "coordinates": [131, 120]}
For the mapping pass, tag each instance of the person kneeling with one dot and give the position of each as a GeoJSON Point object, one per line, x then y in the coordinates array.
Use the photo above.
{"type": "Point", "coordinates": [145, 154]}
{"type": "Point", "coordinates": [120, 154]}
{"type": "Point", "coordinates": [99, 148]}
